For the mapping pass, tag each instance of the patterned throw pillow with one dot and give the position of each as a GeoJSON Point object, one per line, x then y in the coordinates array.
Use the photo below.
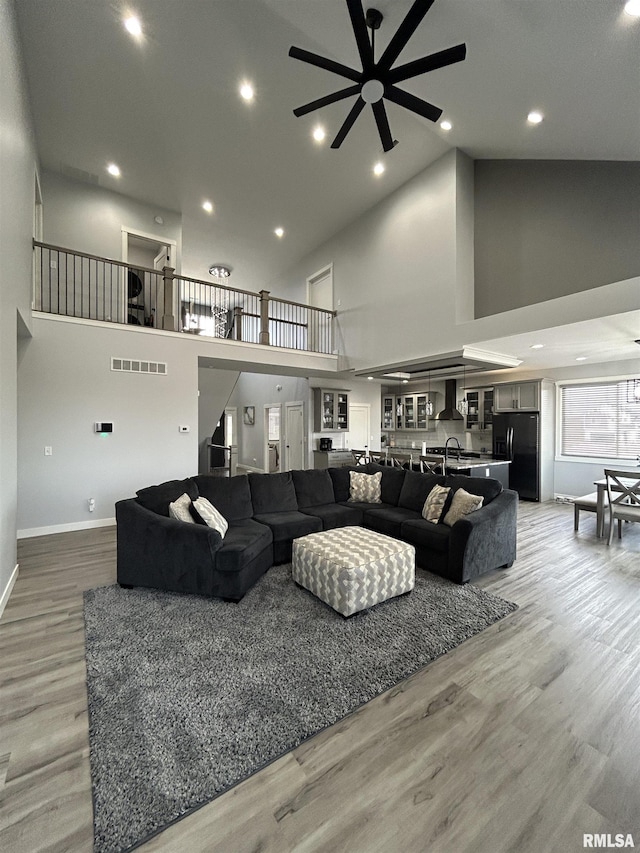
{"type": "Point", "coordinates": [211, 516]}
{"type": "Point", "coordinates": [179, 509]}
{"type": "Point", "coordinates": [434, 504]}
{"type": "Point", "coordinates": [462, 504]}
{"type": "Point", "coordinates": [365, 488]}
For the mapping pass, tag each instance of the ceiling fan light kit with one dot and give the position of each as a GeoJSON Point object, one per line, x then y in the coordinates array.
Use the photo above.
{"type": "Point", "coordinates": [377, 80]}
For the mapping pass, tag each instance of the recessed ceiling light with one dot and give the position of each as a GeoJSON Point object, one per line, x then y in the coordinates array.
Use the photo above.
{"type": "Point", "coordinates": [279, 232]}
{"type": "Point", "coordinates": [113, 170]}
{"type": "Point", "coordinates": [133, 25]}
{"type": "Point", "coordinates": [208, 206]}
{"type": "Point", "coordinates": [246, 91]}
{"type": "Point", "coordinates": [378, 169]}
{"type": "Point", "coordinates": [581, 358]}
{"type": "Point", "coordinates": [159, 220]}
{"type": "Point", "coordinates": [534, 117]}
{"type": "Point", "coordinates": [369, 378]}
{"type": "Point", "coordinates": [446, 125]}
{"type": "Point", "coordinates": [632, 8]}
{"type": "Point", "coordinates": [536, 346]}
{"type": "Point", "coordinates": [405, 381]}
{"type": "Point", "coordinates": [319, 134]}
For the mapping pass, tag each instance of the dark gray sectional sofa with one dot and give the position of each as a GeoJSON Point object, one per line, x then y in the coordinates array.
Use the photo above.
{"type": "Point", "coordinates": [266, 512]}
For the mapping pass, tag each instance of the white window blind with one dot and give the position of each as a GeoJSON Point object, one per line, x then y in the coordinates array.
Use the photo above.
{"type": "Point", "coordinates": [598, 420]}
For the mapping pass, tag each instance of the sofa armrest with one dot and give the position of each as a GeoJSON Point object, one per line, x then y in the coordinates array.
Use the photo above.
{"type": "Point", "coordinates": [485, 539]}
{"type": "Point", "coordinates": [163, 553]}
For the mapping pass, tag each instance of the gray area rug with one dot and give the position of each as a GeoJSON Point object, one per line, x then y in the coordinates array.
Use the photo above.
{"type": "Point", "coordinates": [188, 696]}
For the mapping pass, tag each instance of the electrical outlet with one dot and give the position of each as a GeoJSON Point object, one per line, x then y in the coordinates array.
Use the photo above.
{"type": "Point", "coordinates": [48, 451]}
{"type": "Point", "coordinates": [183, 429]}
{"type": "Point", "coordinates": [91, 503]}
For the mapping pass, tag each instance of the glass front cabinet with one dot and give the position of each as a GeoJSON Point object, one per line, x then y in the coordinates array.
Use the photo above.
{"type": "Point", "coordinates": [407, 411]}
{"type": "Point", "coordinates": [479, 408]}
{"type": "Point", "coordinates": [331, 410]}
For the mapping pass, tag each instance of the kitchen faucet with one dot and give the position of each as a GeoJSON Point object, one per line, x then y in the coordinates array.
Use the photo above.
{"type": "Point", "coordinates": [446, 447]}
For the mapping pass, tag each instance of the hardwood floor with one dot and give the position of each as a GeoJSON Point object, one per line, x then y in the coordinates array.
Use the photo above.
{"type": "Point", "coordinates": [522, 739]}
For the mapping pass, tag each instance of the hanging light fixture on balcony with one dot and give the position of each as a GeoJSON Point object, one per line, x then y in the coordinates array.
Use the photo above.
{"type": "Point", "coordinates": [220, 270]}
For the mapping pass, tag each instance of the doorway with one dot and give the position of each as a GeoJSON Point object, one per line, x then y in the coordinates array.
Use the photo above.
{"type": "Point", "coordinates": [320, 295]}
{"type": "Point", "coordinates": [143, 304]}
{"type": "Point", "coordinates": [294, 437]}
{"type": "Point", "coordinates": [272, 441]}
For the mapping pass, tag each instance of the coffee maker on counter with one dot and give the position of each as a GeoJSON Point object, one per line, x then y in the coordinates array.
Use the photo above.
{"type": "Point", "coordinates": [325, 443]}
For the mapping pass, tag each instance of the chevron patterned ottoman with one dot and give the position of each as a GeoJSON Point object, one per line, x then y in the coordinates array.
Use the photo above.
{"type": "Point", "coordinates": [350, 568]}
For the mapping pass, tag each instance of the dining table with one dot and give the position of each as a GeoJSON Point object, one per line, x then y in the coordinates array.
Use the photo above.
{"type": "Point", "coordinates": [601, 487]}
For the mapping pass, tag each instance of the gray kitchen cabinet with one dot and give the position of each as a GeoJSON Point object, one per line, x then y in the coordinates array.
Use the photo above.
{"type": "Point", "coordinates": [407, 411]}
{"type": "Point", "coordinates": [521, 396]}
{"type": "Point", "coordinates": [330, 410]}
{"type": "Point", "coordinates": [479, 408]}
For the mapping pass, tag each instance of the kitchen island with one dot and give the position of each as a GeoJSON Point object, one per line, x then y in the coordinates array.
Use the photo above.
{"type": "Point", "coordinates": [468, 462]}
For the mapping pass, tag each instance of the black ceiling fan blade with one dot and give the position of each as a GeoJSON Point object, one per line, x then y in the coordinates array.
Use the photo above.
{"type": "Point", "coordinates": [410, 102]}
{"type": "Point", "coordinates": [328, 99]}
{"type": "Point", "coordinates": [324, 63]}
{"type": "Point", "coordinates": [359, 25]}
{"type": "Point", "coordinates": [407, 28]}
{"type": "Point", "coordinates": [382, 121]}
{"type": "Point", "coordinates": [348, 123]}
{"type": "Point", "coordinates": [428, 63]}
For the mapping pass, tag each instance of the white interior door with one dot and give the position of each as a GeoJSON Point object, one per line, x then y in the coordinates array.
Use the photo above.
{"type": "Point", "coordinates": [360, 426]}
{"type": "Point", "coordinates": [294, 437]}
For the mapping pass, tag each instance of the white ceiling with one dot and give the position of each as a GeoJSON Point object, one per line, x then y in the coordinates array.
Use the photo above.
{"type": "Point", "coordinates": [166, 108]}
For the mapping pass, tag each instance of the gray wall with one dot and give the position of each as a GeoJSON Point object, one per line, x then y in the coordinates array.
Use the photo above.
{"type": "Point", "coordinates": [65, 385]}
{"type": "Point", "coordinates": [394, 272]}
{"type": "Point", "coordinates": [545, 229]}
{"type": "Point", "coordinates": [89, 218]}
{"type": "Point", "coordinates": [17, 177]}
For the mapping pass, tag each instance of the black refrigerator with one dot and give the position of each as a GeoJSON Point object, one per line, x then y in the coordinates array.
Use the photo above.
{"type": "Point", "coordinates": [516, 437]}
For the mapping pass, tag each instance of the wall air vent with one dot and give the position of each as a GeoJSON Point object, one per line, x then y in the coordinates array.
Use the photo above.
{"type": "Point", "coordinates": [136, 365]}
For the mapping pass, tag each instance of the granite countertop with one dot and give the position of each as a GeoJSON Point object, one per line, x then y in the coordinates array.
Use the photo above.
{"type": "Point", "coordinates": [463, 464]}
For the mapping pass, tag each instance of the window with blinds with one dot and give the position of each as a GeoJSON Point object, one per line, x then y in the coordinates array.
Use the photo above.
{"type": "Point", "coordinates": [600, 419]}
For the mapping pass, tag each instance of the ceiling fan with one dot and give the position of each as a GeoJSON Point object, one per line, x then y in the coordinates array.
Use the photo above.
{"type": "Point", "coordinates": [377, 80]}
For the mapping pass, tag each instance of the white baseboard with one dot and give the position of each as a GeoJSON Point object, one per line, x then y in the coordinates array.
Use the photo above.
{"type": "Point", "coordinates": [65, 528]}
{"type": "Point", "coordinates": [7, 590]}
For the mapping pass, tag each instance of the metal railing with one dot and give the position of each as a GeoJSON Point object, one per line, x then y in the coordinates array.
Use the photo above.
{"type": "Point", "coordinates": [75, 284]}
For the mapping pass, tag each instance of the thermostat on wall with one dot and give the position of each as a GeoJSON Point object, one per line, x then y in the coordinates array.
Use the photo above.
{"type": "Point", "coordinates": [104, 426]}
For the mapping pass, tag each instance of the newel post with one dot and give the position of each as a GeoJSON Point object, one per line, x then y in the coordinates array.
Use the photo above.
{"type": "Point", "coordinates": [264, 317]}
{"type": "Point", "coordinates": [237, 323]}
{"type": "Point", "coordinates": [168, 318]}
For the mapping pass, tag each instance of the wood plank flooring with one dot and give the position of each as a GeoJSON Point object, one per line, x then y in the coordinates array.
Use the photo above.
{"type": "Point", "coordinates": [522, 739]}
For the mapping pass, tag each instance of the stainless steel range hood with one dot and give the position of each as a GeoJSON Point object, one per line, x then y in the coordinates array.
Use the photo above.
{"type": "Point", "coordinates": [449, 413]}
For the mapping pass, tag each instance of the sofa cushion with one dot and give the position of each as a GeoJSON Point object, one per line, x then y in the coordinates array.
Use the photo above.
{"type": "Point", "coordinates": [336, 515]}
{"type": "Point", "coordinates": [424, 534]}
{"type": "Point", "coordinates": [313, 488]}
{"type": "Point", "coordinates": [341, 481]}
{"type": "Point", "coordinates": [388, 520]}
{"type": "Point", "coordinates": [272, 493]}
{"type": "Point", "coordinates": [231, 496]}
{"type": "Point", "coordinates": [462, 504]}
{"type": "Point", "coordinates": [210, 515]}
{"type": "Point", "coordinates": [365, 488]}
{"type": "Point", "coordinates": [158, 498]}
{"type": "Point", "coordinates": [244, 541]}
{"type": "Point", "coordinates": [392, 480]}
{"type": "Point", "coordinates": [416, 488]}
{"type": "Point", "coordinates": [485, 486]}
{"type": "Point", "coordinates": [289, 525]}
{"type": "Point", "coordinates": [179, 509]}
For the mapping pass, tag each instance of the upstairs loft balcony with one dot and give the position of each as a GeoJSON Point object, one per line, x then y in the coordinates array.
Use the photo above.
{"type": "Point", "coordinates": [74, 284]}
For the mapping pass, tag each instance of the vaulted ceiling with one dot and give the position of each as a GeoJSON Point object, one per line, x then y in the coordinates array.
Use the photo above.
{"type": "Point", "coordinates": [166, 107]}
